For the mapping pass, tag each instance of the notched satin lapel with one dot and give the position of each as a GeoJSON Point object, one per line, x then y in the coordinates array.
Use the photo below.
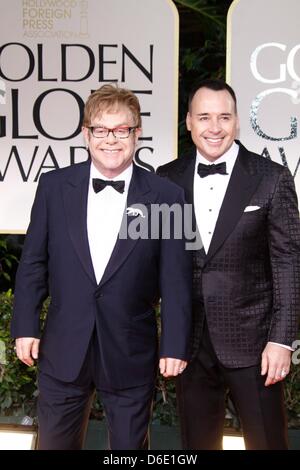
{"type": "Point", "coordinates": [241, 187]}
{"type": "Point", "coordinates": [139, 193]}
{"type": "Point", "coordinates": [75, 199]}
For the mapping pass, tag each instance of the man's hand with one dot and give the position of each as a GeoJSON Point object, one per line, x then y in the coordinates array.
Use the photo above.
{"type": "Point", "coordinates": [27, 349]}
{"type": "Point", "coordinates": [170, 367]}
{"type": "Point", "coordinates": [275, 362]}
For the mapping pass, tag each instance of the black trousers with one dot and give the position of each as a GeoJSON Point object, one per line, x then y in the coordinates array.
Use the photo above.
{"type": "Point", "coordinates": [64, 408]}
{"type": "Point", "coordinates": [201, 391]}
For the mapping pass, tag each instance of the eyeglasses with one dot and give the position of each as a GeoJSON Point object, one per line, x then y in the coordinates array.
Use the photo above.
{"type": "Point", "coordinates": [121, 132]}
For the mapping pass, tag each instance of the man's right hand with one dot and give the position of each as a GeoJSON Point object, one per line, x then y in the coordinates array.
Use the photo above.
{"type": "Point", "coordinates": [27, 350]}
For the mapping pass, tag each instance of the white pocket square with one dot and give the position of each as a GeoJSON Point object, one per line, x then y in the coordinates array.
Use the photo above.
{"type": "Point", "coordinates": [251, 208]}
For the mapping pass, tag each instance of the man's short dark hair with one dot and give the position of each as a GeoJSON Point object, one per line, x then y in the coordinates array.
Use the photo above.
{"type": "Point", "coordinates": [214, 84]}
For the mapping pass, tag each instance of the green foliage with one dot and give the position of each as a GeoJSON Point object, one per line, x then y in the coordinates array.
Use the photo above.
{"type": "Point", "coordinates": [202, 50]}
{"type": "Point", "coordinates": [7, 259]}
{"type": "Point", "coordinates": [17, 381]}
{"type": "Point", "coordinates": [292, 393]}
{"type": "Point", "coordinates": [164, 410]}
{"type": "Point", "coordinates": [208, 9]}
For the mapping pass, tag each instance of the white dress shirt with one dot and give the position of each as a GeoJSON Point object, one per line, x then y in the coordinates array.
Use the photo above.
{"type": "Point", "coordinates": [105, 210]}
{"type": "Point", "coordinates": [209, 193]}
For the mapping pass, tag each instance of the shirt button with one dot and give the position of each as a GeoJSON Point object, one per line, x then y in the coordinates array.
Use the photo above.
{"type": "Point", "coordinates": [209, 233]}
{"type": "Point", "coordinates": [210, 210]}
{"type": "Point", "coordinates": [211, 188]}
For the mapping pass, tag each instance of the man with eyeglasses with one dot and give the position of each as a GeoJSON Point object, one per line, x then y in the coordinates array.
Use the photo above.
{"type": "Point", "coordinates": [101, 331]}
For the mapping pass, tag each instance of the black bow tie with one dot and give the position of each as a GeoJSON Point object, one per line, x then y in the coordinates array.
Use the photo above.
{"type": "Point", "coordinates": [205, 170]}
{"type": "Point", "coordinates": [99, 184]}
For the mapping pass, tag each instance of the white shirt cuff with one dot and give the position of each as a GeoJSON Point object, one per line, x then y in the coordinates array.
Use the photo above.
{"type": "Point", "coordinates": [282, 345]}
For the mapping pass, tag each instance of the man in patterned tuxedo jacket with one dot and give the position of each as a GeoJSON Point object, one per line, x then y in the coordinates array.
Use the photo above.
{"type": "Point", "coordinates": [246, 278]}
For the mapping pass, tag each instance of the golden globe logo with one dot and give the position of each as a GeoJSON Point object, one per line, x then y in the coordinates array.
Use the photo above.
{"type": "Point", "coordinates": [283, 72]}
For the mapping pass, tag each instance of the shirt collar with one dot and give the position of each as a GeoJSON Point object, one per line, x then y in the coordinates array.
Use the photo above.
{"type": "Point", "coordinates": [125, 175]}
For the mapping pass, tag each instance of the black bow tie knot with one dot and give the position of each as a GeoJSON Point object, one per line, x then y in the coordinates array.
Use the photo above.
{"type": "Point", "coordinates": [99, 184]}
{"type": "Point", "coordinates": [205, 170]}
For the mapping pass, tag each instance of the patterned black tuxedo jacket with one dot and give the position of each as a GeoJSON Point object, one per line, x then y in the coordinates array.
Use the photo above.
{"type": "Point", "coordinates": [248, 284]}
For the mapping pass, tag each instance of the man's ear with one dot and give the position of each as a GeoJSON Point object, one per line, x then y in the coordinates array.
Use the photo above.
{"type": "Point", "coordinates": [188, 121]}
{"type": "Point", "coordinates": [138, 133]}
{"type": "Point", "coordinates": [237, 129]}
{"type": "Point", "coordinates": [85, 132]}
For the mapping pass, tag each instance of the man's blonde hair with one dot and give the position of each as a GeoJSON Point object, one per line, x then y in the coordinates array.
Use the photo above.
{"type": "Point", "coordinates": [111, 98]}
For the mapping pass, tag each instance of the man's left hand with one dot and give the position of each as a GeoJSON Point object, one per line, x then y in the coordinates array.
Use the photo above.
{"type": "Point", "coordinates": [275, 362]}
{"type": "Point", "coordinates": [170, 367]}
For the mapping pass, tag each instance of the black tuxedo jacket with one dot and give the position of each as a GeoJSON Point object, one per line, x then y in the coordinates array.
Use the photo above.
{"type": "Point", "coordinates": [56, 261]}
{"type": "Point", "coordinates": [248, 284]}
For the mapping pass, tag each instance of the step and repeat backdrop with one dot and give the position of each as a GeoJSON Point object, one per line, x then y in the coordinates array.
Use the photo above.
{"type": "Point", "coordinates": [53, 53]}
{"type": "Point", "coordinates": [263, 67]}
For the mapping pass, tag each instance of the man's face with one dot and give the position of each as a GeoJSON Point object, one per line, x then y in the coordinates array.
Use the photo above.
{"type": "Point", "coordinates": [110, 155]}
{"type": "Point", "coordinates": [213, 122]}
